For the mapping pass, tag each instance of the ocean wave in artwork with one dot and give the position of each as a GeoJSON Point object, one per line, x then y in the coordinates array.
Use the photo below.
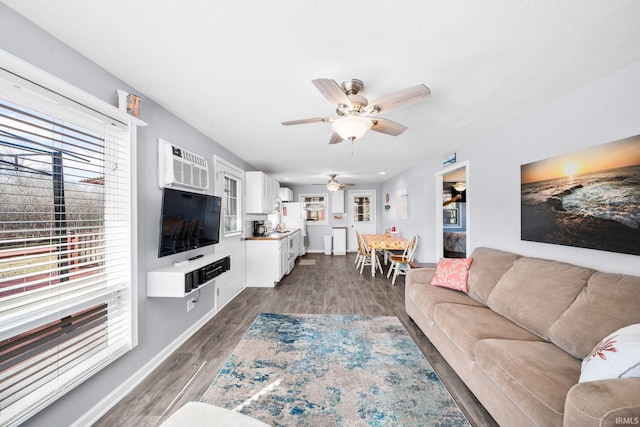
{"type": "Point", "coordinates": [584, 211]}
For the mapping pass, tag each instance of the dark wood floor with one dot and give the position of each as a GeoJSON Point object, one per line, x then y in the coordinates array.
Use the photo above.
{"type": "Point", "coordinates": [331, 286]}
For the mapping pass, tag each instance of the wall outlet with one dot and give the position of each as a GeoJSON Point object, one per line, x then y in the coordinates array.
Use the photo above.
{"type": "Point", "coordinates": [191, 304]}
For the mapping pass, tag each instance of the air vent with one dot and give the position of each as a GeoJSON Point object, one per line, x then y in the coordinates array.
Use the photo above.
{"type": "Point", "coordinates": [178, 167]}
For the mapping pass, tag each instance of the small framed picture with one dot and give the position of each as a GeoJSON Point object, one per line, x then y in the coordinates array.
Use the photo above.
{"type": "Point", "coordinates": [449, 159]}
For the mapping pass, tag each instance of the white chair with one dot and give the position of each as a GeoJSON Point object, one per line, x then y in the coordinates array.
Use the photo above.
{"type": "Point", "coordinates": [359, 252]}
{"type": "Point", "coordinates": [400, 263]}
{"type": "Point", "coordinates": [367, 258]}
{"type": "Point", "coordinates": [388, 253]}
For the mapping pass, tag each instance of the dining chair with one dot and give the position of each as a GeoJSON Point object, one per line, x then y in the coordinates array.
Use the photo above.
{"type": "Point", "coordinates": [388, 253]}
{"type": "Point", "coordinates": [400, 263]}
{"type": "Point", "coordinates": [359, 252]}
{"type": "Point", "coordinates": [367, 257]}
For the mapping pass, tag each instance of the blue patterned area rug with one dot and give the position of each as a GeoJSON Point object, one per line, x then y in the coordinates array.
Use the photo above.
{"type": "Point", "coordinates": [323, 370]}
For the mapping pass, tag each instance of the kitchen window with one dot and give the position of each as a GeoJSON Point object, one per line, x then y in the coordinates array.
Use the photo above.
{"type": "Point", "coordinates": [315, 207]}
{"type": "Point", "coordinates": [66, 241]}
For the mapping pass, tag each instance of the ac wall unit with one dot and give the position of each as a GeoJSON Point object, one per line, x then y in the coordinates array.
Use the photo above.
{"type": "Point", "coordinates": [178, 167]}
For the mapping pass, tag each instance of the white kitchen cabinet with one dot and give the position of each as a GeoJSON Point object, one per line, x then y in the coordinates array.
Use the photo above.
{"type": "Point", "coordinates": [265, 261]}
{"type": "Point", "coordinates": [286, 194]}
{"type": "Point", "coordinates": [261, 192]}
{"type": "Point", "coordinates": [339, 240]}
{"type": "Point", "coordinates": [337, 202]}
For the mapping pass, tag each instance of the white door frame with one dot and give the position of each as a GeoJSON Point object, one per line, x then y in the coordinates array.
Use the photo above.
{"type": "Point", "coordinates": [439, 228]}
{"type": "Point", "coordinates": [353, 244]}
{"type": "Point", "coordinates": [234, 243]}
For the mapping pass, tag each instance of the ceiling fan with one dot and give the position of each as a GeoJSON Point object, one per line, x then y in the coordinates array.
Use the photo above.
{"type": "Point", "coordinates": [356, 115]}
{"type": "Point", "coordinates": [333, 184]}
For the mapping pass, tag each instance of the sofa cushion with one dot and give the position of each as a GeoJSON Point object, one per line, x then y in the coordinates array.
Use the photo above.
{"type": "Point", "coordinates": [487, 268]}
{"type": "Point", "coordinates": [452, 273]}
{"type": "Point", "coordinates": [535, 375]}
{"type": "Point", "coordinates": [465, 325]}
{"type": "Point", "coordinates": [608, 302]}
{"type": "Point", "coordinates": [535, 292]}
{"type": "Point", "coordinates": [616, 356]}
{"type": "Point", "coordinates": [427, 297]}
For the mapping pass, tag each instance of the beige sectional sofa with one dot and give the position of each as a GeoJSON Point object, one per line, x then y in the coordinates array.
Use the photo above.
{"type": "Point", "coordinates": [517, 337]}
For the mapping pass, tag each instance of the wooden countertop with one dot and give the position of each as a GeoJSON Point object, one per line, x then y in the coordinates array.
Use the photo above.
{"type": "Point", "coordinates": [274, 235]}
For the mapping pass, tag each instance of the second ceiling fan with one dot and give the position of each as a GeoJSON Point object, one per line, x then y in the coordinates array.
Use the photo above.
{"type": "Point", "coordinates": [356, 115]}
{"type": "Point", "coordinates": [333, 184]}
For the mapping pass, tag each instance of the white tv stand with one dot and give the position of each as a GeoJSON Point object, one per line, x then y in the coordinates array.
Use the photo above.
{"type": "Point", "coordinates": [181, 279]}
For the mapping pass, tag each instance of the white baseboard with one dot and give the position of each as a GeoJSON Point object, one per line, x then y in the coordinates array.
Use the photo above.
{"type": "Point", "coordinates": [96, 412]}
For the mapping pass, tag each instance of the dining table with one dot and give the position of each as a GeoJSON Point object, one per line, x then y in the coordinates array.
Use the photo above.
{"type": "Point", "coordinates": [383, 242]}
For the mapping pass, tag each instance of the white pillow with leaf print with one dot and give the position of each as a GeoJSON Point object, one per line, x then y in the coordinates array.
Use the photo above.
{"type": "Point", "coordinates": [616, 356]}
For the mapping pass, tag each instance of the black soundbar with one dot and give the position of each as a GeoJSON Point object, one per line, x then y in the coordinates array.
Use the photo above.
{"type": "Point", "coordinates": [202, 275]}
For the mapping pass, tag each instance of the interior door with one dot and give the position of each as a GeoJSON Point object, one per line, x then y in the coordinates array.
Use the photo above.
{"type": "Point", "coordinates": [231, 242]}
{"type": "Point", "coordinates": [444, 211]}
{"type": "Point", "coordinates": [362, 215]}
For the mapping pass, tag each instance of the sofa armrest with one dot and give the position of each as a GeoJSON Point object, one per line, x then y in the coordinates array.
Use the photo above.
{"type": "Point", "coordinates": [603, 403]}
{"type": "Point", "coordinates": [421, 275]}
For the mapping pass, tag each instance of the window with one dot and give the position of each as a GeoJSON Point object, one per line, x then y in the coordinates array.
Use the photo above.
{"type": "Point", "coordinates": [231, 205]}
{"type": "Point", "coordinates": [361, 209]}
{"type": "Point", "coordinates": [315, 207]}
{"type": "Point", "coordinates": [65, 245]}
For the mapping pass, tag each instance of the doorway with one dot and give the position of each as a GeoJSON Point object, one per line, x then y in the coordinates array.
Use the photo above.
{"type": "Point", "coordinates": [452, 212]}
{"type": "Point", "coordinates": [362, 215]}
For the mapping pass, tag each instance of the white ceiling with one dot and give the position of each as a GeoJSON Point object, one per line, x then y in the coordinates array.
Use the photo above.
{"type": "Point", "coordinates": [236, 69]}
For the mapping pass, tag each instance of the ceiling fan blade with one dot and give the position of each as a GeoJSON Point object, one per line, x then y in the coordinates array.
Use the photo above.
{"type": "Point", "coordinates": [304, 121]}
{"type": "Point", "coordinates": [335, 138]}
{"type": "Point", "coordinates": [387, 126]}
{"type": "Point", "coordinates": [399, 99]}
{"type": "Point", "coordinates": [332, 91]}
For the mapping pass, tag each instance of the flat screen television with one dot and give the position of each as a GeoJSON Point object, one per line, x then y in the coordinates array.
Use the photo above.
{"type": "Point", "coordinates": [188, 221]}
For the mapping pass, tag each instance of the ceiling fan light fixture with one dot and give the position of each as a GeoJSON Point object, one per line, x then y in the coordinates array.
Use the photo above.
{"type": "Point", "coordinates": [460, 186]}
{"type": "Point", "coordinates": [352, 127]}
{"type": "Point", "coordinates": [333, 185]}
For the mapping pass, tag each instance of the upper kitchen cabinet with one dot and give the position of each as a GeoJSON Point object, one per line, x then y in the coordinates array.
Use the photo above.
{"type": "Point", "coordinates": [337, 199]}
{"type": "Point", "coordinates": [286, 194]}
{"type": "Point", "coordinates": [262, 192]}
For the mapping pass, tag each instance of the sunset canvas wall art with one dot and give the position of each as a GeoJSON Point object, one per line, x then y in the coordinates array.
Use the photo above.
{"type": "Point", "coordinates": [588, 198]}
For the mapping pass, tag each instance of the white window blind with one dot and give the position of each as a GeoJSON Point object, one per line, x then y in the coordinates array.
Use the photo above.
{"type": "Point", "coordinates": [65, 249]}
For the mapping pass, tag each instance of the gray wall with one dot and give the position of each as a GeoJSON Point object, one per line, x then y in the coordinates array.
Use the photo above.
{"type": "Point", "coordinates": [316, 233]}
{"type": "Point", "coordinates": [604, 111]}
{"type": "Point", "coordinates": [161, 320]}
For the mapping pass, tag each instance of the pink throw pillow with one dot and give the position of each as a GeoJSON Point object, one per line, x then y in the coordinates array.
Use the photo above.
{"type": "Point", "coordinates": [452, 273]}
